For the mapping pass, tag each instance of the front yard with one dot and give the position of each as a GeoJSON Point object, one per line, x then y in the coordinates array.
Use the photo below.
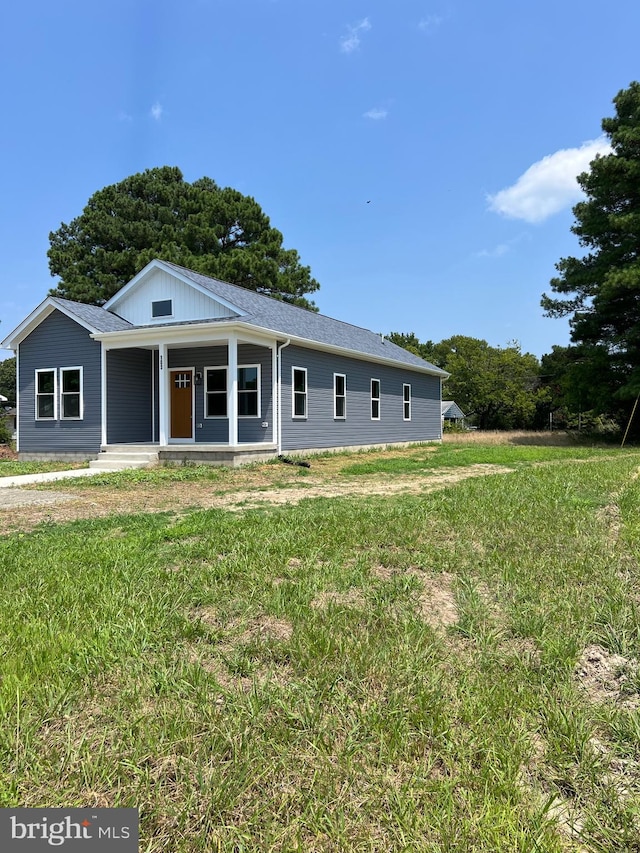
{"type": "Point", "coordinates": [432, 649]}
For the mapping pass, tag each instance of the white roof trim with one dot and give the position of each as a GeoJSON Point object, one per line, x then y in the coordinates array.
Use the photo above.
{"type": "Point", "coordinates": [192, 333]}
{"type": "Point", "coordinates": [157, 264]}
{"type": "Point", "coordinates": [36, 317]}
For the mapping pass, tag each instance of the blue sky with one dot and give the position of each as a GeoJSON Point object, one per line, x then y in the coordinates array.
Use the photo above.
{"type": "Point", "coordinates": [420, 156]}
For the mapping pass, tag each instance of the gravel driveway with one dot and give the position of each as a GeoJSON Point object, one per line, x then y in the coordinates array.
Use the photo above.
{"type": "Point", "coordinates": [10, 498]}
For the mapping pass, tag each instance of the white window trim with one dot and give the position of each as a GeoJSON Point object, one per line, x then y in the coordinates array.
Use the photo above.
{"type": "Point", "coordinates": [79, 417]}
{"type": "Point", "coordinates": [337, 417]}
{"type": "Point", "coordinates": [161, 317]}
{"type": "Point", "coordinates": [259, 414]}
{"type": "Point", "coordinates": [376, 398]}
{"type": "Point", "coordinates": [55, 393]}
{"type": "Point", "coordinates": [406, 402]}
{"type": "Point", "coordinates": [294, 392]}
{"type": "Point", "coordinates": [207, 392]}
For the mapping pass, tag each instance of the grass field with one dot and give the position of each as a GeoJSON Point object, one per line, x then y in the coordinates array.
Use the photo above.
{"type": "Point", "coordinates": [9, 468]}
{"type": "Point", "coordinates": [433, 649]}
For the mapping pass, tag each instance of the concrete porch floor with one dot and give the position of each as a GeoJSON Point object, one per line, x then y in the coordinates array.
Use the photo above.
{"type": "Point", "coordinates": [144, 454]}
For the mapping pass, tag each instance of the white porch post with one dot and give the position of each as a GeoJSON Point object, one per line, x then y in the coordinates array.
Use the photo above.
{"type": "Point", "coordinates": [163, 394]}
{"type": "Point", "coordinates": [232, 390]}
{"type": "Point", "coordinates": [275, 392]}
{"type": "Point", "coordinates": [103, 393]}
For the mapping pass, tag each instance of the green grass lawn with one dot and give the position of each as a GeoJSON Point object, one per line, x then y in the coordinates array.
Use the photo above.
{"type": "Point", "coordinates": [401, 673]}
{"type": "Point", "coordinates": [14, 468]}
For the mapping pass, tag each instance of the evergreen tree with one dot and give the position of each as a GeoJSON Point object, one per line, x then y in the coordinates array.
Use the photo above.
{"type": "Point", "coordinates": [157, 214]}
{"type": "Point", "coordinates": [600, 291]}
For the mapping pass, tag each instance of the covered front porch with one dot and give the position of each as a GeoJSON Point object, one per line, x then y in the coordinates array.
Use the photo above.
{"type": "Point", "coordinates": [190, 398]}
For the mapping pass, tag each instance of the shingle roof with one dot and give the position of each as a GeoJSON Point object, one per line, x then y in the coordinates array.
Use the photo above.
{"type": "Point", "coordinates": [450, 409]}
{"type": "Point", "coordinates": [292, 321]}
{"type": "Point", "coordinates": [93, 315]}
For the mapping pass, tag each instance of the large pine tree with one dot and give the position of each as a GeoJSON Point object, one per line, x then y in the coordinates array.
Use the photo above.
{"type": "Point", "coordinates": [600, 291]}
{"type": "Point", "coordinates": [157, 214]}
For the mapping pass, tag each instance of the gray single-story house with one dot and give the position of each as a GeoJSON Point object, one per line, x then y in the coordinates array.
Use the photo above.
{"type": "Point", "coordinates": [196, 368]}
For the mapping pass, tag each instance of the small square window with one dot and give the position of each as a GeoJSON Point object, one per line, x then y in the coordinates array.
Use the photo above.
{"type": "Point", "coordinates": [162, 308]}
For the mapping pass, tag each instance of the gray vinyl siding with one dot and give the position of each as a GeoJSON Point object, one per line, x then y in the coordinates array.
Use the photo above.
{"type": "Point", "coordinates": [216, 430]}
{"type": "Point", "coordinates": [129, 396]}
{"type": "Point", "coordinates": [320, 429]}
{"type": "Point", "coordinates": [59, 342]}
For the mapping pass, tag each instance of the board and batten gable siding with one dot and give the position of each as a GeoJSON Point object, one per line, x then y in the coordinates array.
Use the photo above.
{"type": "Point", "coordinates": [59, 342]}
{"type": "Point", "coordinates": [188, 302]}
{"type": "Point", "coordinates": [129, 396]}
{"type": "Point", "coordinates": [216, 430]}
{"type": "Point", "coordinates": [321, 430]}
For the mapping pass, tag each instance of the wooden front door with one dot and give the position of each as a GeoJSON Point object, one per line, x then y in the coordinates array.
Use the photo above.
{"type": "Point", "coordinates": [181, 404]}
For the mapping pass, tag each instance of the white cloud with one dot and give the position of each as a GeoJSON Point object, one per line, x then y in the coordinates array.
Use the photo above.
{"type": "Point", "coordinates": [156, 111]}
{"type": "Point", "coordinates": [430, 23]}
{"type": "Point", "coordinates": [351, 41]}
{"type": "Point", "coordinates": [377, 114]}
{"type": "Point", "coordinates": [549, 185]}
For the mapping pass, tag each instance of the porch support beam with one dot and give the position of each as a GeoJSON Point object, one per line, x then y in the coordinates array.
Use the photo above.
{"type": "Point", "coordinates": [232, 390]}
{"type": "Point", "coordinates": [163, 394]}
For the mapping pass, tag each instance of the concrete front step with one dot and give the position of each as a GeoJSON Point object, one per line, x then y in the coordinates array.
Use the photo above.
{"type": "Point", "coordinates": [121, 460]}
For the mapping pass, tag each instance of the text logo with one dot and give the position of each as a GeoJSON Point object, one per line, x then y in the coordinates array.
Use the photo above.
{"type": "Point", "coordinates": [36, 830]}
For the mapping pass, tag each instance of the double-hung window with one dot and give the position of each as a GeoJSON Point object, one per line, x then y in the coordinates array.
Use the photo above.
{"type": "Point", "coordinates": [375, 399]}
{"type": "Point", "coordinates": [249, 391]}
{"type": "Point", "coordinates": [71, 393]}
{"type": "Point", "coordinates": [216, 392]}
{"type": "Point", "coordinates": [339, 395]}
{"type": "Point", "coordinates": [46, 395]}
{"type": "Point", "coordinates": [406, 402]}
{"type": "Point", "coordinates": [299, 391]}
{"type": "Point", "coordinates": [59, 394]}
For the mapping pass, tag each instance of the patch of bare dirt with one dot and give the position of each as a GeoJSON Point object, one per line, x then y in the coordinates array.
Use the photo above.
{"type": "Point", "coordinates": [350, 598]}
{"type": "Point", "coordinates": [436, 603]}
{"type": "Point", "coordinates": [608, 677]}
{"type": "Point", "coordinates": [262, 627]}
{"type": "Point", "coordinates": [235, 635]}
{"type": "Point", "coordinates": [7, 453]}
{"type": "Point", "coordinates": [246, 490]}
